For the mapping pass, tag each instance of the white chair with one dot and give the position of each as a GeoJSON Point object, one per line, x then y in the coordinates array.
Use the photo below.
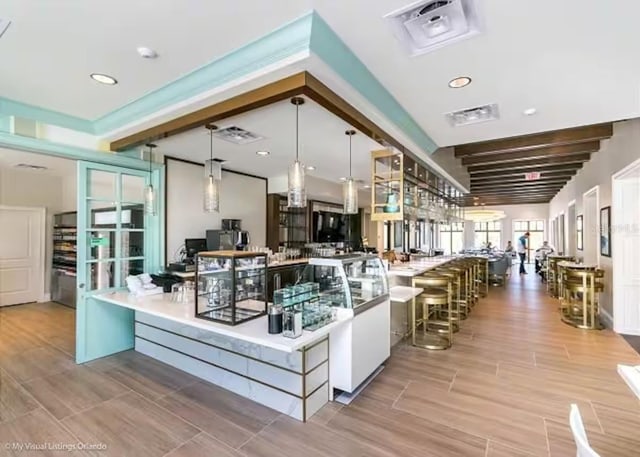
{"type": "Point", "coordinates": [579, 434]}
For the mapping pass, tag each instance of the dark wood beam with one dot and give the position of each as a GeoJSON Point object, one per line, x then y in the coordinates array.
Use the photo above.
{"type": "Point", "coordinates": [561, 170]}
{"type": "Point", "coordinates": [257, 98]}
{"type": "Point", "coordinates": [532, 165]}
{"type": "Point", "coordinates": [537, 140]}
{"type": "Point", "coordinates": [539, 153]}
{"type": "Point", "coordinates": [532, 194]}
{"type": "Point", "coordinates": [520, 185]}
{"type": "Point", "coordinates": [479, 179]}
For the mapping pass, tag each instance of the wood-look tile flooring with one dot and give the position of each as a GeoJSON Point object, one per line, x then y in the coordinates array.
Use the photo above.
{"type": "Point", "coordinates": [503, 390]}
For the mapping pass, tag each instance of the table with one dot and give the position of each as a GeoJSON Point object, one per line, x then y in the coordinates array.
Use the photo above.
{"type": "Point", "coordinates": [578, 266]}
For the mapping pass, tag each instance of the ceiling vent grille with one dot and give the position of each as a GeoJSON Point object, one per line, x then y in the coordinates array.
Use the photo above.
{"type": "Point", "coordinates": [428, 25]}
{"type": "Point", "coordinates": [474, 115]}
{"type": "Point", "coordinates": [28, 166]}
{"type": "Point", "coordinates": [237, 135]}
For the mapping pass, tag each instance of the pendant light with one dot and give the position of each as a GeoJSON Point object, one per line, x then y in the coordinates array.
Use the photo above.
{"type": "Point", "coordinates": [350, 188]}
{"type": "Point", "coordinates": [211, 200]}
{"type": "Point", "coordinates": [149, 191]}
{"type": "Point", "coordinates": [296, 192]}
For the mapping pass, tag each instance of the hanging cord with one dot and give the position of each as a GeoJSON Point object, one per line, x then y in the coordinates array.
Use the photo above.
{"type": "Point", "coordinates": [210, 152]}
{"type": "Point", "coordinates": [350, 136]}
{"type": "Point", "coordinates": [297, 131]}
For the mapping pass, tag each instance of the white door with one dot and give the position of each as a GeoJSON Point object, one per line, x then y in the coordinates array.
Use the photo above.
{"type": "Point", "coordinates": [21, 255]}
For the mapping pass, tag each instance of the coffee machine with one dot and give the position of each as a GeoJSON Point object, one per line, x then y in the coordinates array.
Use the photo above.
{"type": "Point", "coordinates": [230, 238]}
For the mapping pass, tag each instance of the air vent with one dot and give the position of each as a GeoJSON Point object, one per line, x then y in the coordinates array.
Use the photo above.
{"type": "Point", "coordinates": [28, 166]}
{"type": "Point", "coordinates": [474, 115]}
{"type": "Point", "coordinates": [428, 25]}
{"type": "Point", "coordinates": [237, 135]}
{"type": "Point", "coordinates": [4, 25]}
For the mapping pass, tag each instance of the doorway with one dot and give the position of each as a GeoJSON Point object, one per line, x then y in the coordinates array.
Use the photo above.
{"type": "Point", "coordinates": [22, 241]}
{"type": "Point", "coordinates": [536, 235]}
{"type": "Point", "coordinates": [625, 238]}
{"type": "Point", "coordinates": [571, 225]}
{"type": "Point", "coordinates": [591, 243]}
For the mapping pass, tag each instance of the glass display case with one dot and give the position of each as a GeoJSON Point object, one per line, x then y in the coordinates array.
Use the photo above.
{"type": "Point", "coordinates": [354, 281]}
{"type": "Point", "coordinates": [231, 286]}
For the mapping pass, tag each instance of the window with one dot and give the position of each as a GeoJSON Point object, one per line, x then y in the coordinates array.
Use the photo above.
{"type": "Point", "coordinates": [536, 235]}
{"type": "Point", "coordinates": [452, 237]}
{"type": "Point", "coordinates": [488, 232]}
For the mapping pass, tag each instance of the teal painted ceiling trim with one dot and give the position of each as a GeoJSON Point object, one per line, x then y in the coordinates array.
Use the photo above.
{"type": "Point", "coordinates": [13, 108]}
{"type": "Point", "coordinates": [65, 151]}
{"type": "Point", "coordinates": [335, 53]}
{"type": "Point", "coordinates": [283, 42]}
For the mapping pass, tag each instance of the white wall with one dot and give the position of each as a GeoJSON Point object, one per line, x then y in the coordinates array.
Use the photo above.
{"type": "Point", "coordinates": [241, 197]}
{"type": "Point", "coordinates": [513, 212]}
{"type": "Point", "coordinates": [614, 155]}
{"type": "Point", "coordinates": [35, 189]}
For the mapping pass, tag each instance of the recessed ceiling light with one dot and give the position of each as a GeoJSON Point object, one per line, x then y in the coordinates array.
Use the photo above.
{"type": "Point", "coordinates": [343, 179]}
{"type": "Point", "coordinates": [104, 79]}
{"type": "Point", "coordinates": [263, 153]}
{"type": "Point", "coordinates": [310, 167]}
{"type": "Point", "coordinates": [367, 186]}
{"type": "Point", "coordinates": [530, 111]}
{"type": "Point", "coordinates": [459, 82]}
{"type": "Point", "coordinates": [147, 53]}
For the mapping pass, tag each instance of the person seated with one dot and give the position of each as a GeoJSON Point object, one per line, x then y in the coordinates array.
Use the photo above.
{"type": "Point", "coordinates": [541, 257]}
{"type": "Point", "coordinates": [509, 247]}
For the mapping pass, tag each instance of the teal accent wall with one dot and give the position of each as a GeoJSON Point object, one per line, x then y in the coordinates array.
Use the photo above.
{"type": "Point", "coordinates": [335, 53]}
{"type": "Point", "coordinates": [307, 33]}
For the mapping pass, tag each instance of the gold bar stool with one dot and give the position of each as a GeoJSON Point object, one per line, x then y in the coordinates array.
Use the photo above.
{"type": "Point", "coordinates": [467, 292]}
{"type": "Point", "coordinates": [553, 274]}
{"type": "Point", "coordinates": [581, 288]}
{"type": "Point", "coordinates": [482, 278]}
{"type": "Point", "coordinates": [445, 317]}
{"type": "Point", "coordinates": [460, 308]}
{"type": "Point", "coordinates": [437, 334]}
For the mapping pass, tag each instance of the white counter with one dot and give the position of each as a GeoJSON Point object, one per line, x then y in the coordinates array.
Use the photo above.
{"type": "Point", "coordinates": [631, 376]}
{"type": "Point", "coordinates": [411, 269]}
{"type": "Point", "coordinates": [254, 331]}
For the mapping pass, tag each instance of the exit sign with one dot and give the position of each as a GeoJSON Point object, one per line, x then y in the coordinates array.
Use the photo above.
{"type": "Point", "coordinates": [534, 175]}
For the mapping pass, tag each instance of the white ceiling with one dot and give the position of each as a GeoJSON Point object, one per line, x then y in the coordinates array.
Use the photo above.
{"type": "Point", "coordinates": [573, 60]}
{"type": "Point", "coordinates": [56, 166]}
{"type": "Point", "coordinates": [323, 143]}
{"type": "Point", "coordinates": [51, 47]}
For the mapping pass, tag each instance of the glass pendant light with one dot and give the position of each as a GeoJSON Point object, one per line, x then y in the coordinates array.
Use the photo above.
{"type": "Point", "coordinates": [350, 188]}
{"type": "Point", "coordinates": [211, 200]}
{"type": "Point", "coordinates": [296, 192]}
{"type": "Point", "coordinates": [149, 191]}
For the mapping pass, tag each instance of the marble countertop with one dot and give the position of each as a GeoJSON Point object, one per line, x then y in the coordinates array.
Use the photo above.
{"type": "Point", "coordinates": [411, 269]}
{"type": "Point", "coordinates": [253, 331]}
{"type": "Point", "coordinates": [402, 294]}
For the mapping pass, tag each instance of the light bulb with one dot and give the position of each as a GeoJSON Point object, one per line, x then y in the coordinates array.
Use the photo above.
{"type": "Point", "coordinates": [211, 203]}
{"type": "Point", "coordinates": [150, 200]}
{"type": "Point", "coordinates": [350, 197]}
{"type": "Point", "coordinates": [296, 193]}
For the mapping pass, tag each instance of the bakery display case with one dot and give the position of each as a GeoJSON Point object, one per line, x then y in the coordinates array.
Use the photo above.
{"type": "Point", "coordinates": [352, 281]}
{"type": "Point", "coordinates": [231, 286]}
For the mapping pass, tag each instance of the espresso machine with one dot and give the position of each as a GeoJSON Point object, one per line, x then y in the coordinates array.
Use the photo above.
{"type": "Point", "coordinates": [231, 237]}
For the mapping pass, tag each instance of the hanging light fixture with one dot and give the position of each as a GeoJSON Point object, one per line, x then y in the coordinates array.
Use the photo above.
{"type": "Point", "coordinates": [296, 192]}
{"type": "Point", "coordinates": [149, 191]}
{"type": "Point", "coordinates": [349, 187]}
{"type": "Point", "coordinates": [213, 175]}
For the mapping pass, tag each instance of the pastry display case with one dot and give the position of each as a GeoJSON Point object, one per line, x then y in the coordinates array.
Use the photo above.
{"type": "Point", "coordinates": [231, 286]}
{"type": "Point", "coordinates": [353, 281]}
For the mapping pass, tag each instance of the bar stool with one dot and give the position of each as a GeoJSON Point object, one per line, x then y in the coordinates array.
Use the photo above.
{"type": "Point", "coordinates": [442, 314]}
{"type": "Point", "coordinates": [467, 291]}
{"type": "Point", "coordinates": [580, 306]}
{"type": "Point", "coordinates": [553, 274]}
{"type": "Point", "coordinates": [483, 275]}
{"type": "Point", "coordinates": [437, 334]}
{"type": "Point", "coordinates": [460, 308]}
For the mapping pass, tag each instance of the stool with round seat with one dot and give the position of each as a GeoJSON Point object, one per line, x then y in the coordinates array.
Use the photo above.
{"type": "Point", "coordinates": [553, 274]}
{"type": "Point", "coordinates": [435, 302]}
{"type": "Point", "coordinates": [580, 307]}
{"type": "Point", "coordinates": [460, 308]}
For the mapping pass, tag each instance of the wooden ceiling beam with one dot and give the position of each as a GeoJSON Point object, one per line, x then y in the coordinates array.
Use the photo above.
{"type": "Point", "coordinates": [531, 165]}
{"type": "Point", "coordinates": [544, 172]}
{"type": "Point", "coordinates": [538, 153]}
{"type": "Point", "coordinates": [537, 140]}
{"type": "Point", "coordinates": [518, 185]}
{"type": "Point", "coordinates": [477, 179]}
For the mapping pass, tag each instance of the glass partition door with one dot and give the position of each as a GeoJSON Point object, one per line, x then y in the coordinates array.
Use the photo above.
{"type": "Point", "coordinates": [115, 238]}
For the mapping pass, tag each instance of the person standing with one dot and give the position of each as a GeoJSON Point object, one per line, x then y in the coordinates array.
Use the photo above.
{"type": "Point", "coordinates": [522, 251]}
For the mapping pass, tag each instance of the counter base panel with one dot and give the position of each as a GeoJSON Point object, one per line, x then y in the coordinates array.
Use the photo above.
{"type": "Point", "coordinates": [295, 384]}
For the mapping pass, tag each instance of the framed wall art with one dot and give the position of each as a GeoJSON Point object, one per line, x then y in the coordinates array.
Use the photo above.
{"type": "Point", "coordinates": [605, 231]}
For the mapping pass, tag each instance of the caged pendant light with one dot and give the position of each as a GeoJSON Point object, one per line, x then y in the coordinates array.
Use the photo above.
{"type": "Point", "coordinates": [211, 196]}
{"type": "Point", "coordinates": [350, 188]}
{"type": "Point", "coordinates": [296, 192]}
{"type": "Point", "coordinates": [149, 191]}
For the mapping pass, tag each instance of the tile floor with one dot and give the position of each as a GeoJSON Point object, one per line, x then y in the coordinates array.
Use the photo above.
{"type": "Point", "coordinates": [503, 390]}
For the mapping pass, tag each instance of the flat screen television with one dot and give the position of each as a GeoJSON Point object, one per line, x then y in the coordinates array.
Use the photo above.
{"type": "Point", "coordinates": [328, 227]}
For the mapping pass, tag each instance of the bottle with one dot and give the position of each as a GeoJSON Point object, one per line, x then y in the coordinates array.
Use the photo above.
{"type": "Point", "coordinates": [274, 314]}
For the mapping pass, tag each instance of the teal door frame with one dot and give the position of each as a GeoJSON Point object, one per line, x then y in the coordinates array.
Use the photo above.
{"type": "Point", "coordinates": [101, 328]}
